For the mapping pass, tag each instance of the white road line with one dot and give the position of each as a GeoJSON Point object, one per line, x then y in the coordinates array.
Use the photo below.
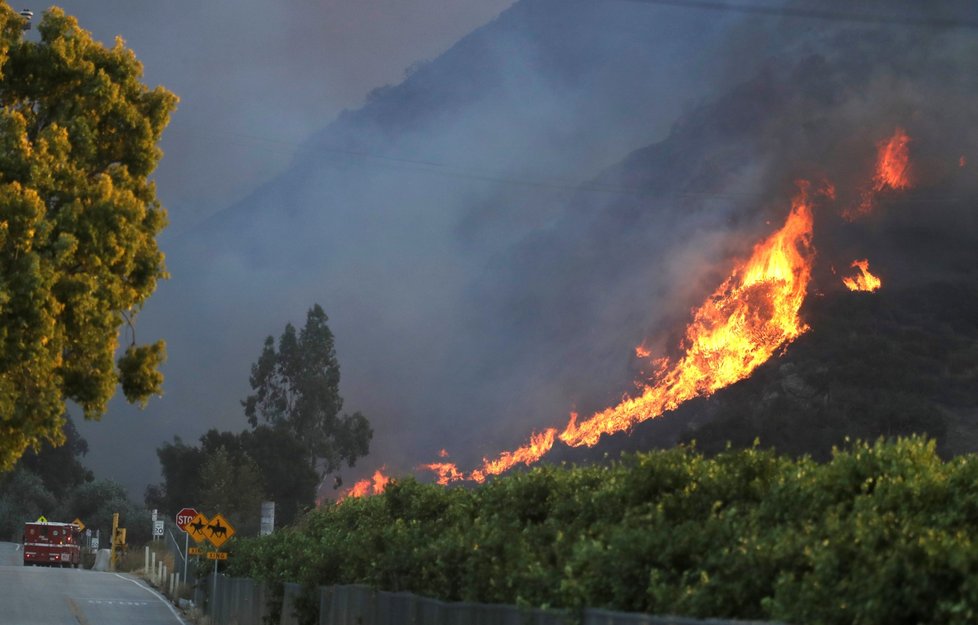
{"type": "Point", "coordinates": [157, 595]}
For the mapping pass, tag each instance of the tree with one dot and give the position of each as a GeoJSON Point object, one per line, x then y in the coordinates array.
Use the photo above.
{"type": "Point", "coordinates": [60, 468]}
{"type": "Point", "coordinates": [95, 502]}
{"type": "Point", "coordinates": [78, 224]}
{"type": "Point", "coordinates": [297, 390]}
{"type": "Point", "coordinates": [233, 487]}
{"type": "Point", "coordinates": [290, 479]}
{"type": "Point", "coordinates": [181, 465]}
{"type": "Point", "coordinates": [23, 497]}
{"type": "Point", "coordinates": [284, 472]}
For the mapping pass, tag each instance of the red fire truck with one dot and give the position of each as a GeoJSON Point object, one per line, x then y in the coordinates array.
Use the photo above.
{"type": "Point", "coordinates": [52, 544]}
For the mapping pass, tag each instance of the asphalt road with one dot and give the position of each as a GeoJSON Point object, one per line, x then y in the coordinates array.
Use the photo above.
{"type": "Point", "coordinates": [49, 596]}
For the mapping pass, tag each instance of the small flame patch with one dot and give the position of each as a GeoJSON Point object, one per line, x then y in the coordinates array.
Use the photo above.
{"type": "Point", "coordinates": [863, 280]}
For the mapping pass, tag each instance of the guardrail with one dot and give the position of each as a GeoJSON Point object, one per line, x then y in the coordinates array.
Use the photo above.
{"type": "Point", "coordinates": [240, 601]}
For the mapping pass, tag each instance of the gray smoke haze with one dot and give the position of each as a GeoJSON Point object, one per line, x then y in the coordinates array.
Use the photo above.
{"type": "Point", "coordinates": [493, 236]}
{"type": "Point", "coordinates": [256, 78]}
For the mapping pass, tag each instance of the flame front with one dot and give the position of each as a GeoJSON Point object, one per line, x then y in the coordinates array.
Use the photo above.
{"type": "Point", "coordinates": [753, 314]}
{"type": "Point", "coordinates": [739, 327]}
{"type": "Point", "coordinates": [538, 446]}
{"type": "Point", "coordinates": [864, 281]}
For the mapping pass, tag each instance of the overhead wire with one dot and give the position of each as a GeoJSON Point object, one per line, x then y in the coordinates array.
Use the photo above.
{"type": "Point", "coordinates": [816, 13]}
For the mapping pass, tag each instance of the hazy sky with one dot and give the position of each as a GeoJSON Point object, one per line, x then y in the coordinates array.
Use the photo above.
{"type": "Point", "coordinates": [256, 78]}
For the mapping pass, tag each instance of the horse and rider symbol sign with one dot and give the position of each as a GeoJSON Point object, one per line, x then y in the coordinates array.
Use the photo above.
{"type": "Point", "coordinates": [216, 530]}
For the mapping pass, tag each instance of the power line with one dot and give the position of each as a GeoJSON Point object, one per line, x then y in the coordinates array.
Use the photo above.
{"type": "Point", "coordinates": [813, 13]}
{"type": "Point", "coordinates": [441, 169]}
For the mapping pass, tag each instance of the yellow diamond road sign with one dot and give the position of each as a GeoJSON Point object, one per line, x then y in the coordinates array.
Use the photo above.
{"type": "Point", "coordinates": [197, 528]}
{"type": "Point", "coordinates": [41, 519]}
{"type": "Point", "coordinates": [79, 524]}
{"type": "Point", "coordinates": [219, 530]}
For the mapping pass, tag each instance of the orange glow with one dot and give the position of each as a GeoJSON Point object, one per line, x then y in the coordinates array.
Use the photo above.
{"type": "Point", "coordinates": [443, 453]}
{"type": "Point", "coordinates": [447, 472]}
{"type": "Point", "coordinates": [865, 281]}
{"type": "Point", "coordinates": [893, 163]}
{"type": "Point", "coordinates": [892, 172]}
{"type": "Point", "coordinates": [642, 351]}
{"type": "Point", "coordinates": [374, 485]}
{"type": "Point", "coordinates": [740, 326]}
{"type": "Point", "coordinates": [962, 161]}
{"type": "Point", "coordinates": [538, 446]}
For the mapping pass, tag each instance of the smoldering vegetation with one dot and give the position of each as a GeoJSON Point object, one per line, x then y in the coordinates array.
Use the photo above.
{"type": "Point", "coordinates": [493, 236]}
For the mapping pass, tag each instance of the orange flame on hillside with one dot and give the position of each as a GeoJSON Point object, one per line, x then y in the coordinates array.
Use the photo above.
{"type": "Point", "coordinates": [893, 163]}
{"type": "Point", "coordinates": [374, 485]}
{"type": "Point", "coordinates": [447, 472]}
{"type": "Point", "coordinates": [747, 319]}
{"type": "Point", "coordinates": [892, 172]}
{"type": "Point", "coordinates": [739, 327]}
{"type": "Point", "coordinates": [538, 446]}
{"type": "Point", "coordinates": [864, 281]}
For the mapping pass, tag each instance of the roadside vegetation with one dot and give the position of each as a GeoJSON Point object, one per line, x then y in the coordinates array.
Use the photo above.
{"type": "Point", "coordinates": [880, 533]}
{"type": "Point", "coordinates": [54, 483]}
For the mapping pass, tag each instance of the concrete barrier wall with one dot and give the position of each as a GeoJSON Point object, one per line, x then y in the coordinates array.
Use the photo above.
{"type": "Point", "coordinates": [245, 602]}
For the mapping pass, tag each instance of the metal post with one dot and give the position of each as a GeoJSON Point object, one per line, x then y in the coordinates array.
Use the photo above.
{"type": "Point", "coordinates": [186, 553]}
{"type": "Point", "coordinates": [214, 595]}
{"type": "Point", "coordinates": [152, 568]}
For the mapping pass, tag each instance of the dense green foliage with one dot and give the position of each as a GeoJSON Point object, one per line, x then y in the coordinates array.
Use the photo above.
{"type": "Point", "coordinates": [881, 533]}
{"type": "Point", "coordinates": [78, 224]}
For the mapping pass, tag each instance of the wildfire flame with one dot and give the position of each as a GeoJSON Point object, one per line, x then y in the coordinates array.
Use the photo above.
{"type": "Point", "coordinates": [739, 327]}
{"type": "Point", "coordinates": [538, 446]}
{"type": "Point", "coordinates": [374, 485]}
{"type": "Point", "coordinates": [893, 163]}
{"type": "Point", "coordinates": [747, 319]}
{"type": "Point", "coordinates": [864, 281]}
{"type": "Point", "coordinates": [892, 172]}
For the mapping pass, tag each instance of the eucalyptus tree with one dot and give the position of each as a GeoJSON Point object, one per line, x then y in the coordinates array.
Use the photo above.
{"type": "Point", "coordinates": [79, 217]}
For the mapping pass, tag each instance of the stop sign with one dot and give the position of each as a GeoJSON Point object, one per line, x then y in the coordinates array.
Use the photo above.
{"type": "Point", "coordinates": [184, 517]}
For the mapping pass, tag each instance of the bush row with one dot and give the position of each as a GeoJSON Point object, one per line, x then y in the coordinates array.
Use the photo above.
{"type": "Point", "coordinates": [881, 533]}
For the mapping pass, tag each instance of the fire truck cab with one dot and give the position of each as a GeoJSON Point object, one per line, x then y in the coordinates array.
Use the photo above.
{"type": "Point", "coordinates": [52, 544]}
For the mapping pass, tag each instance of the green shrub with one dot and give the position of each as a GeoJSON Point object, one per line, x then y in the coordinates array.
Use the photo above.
{"type": "Point", "coordinates": [881, 533]}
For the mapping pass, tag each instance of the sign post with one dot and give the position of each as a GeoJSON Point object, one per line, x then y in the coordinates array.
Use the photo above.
{"type": "Point", "coordinates": [184, 518]}
{"type": "Point", "coordinates": [219, 532]}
